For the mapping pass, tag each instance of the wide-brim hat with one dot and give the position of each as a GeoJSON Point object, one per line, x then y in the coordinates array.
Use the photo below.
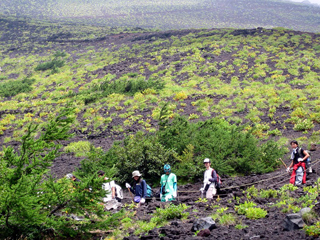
{"type": "Point", "coordinates": [136, 174]}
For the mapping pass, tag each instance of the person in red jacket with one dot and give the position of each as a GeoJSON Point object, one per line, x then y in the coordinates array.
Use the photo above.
{"type": "Point", "coordinates": [298, 157]}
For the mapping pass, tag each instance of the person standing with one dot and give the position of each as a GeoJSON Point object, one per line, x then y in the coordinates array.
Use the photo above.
{"type": "Point", "coordinates": [298, 157]}
{"type": "Point", "coordinates": [139, 188]}
{"type": "Point", "coordinates": [168, 191]}
{"type": "Point", "coordinates": [209, 180]}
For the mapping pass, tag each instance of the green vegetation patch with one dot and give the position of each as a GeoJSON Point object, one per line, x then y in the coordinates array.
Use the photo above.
{"type": "Point", "coordinates": [13, 87]}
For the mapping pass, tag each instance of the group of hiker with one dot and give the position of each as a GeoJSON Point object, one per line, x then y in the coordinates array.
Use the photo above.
{"type": "Point", "coordinates": [140, 190]}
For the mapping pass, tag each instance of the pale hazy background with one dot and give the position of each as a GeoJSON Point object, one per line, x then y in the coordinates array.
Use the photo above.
{"type": "Point", "coordinates": [311, 1]}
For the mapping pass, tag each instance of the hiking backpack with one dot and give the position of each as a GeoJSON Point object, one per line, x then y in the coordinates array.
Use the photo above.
{"type": "Point", "coordinates": [218, 183]}
{"type": "Point", "coordinates": [149, 191]}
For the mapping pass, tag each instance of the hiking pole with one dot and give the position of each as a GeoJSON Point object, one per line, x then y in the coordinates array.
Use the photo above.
{"type": "Point", "coordinates": [283, 162]}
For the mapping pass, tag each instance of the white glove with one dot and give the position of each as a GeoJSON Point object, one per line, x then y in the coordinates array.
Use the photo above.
{"type": "Point", "coordinates": [128, 185]}
{"type": "Point", "coordinates": [300, 159]}
{"type": "Point", "coordinates": [142, 200]}
{"type": "Point", "coordinates": [288, 169]}
{"type": "Point", "coordinates": [201, 189]}
{"type": "Point", "coordinates": [174, 194]}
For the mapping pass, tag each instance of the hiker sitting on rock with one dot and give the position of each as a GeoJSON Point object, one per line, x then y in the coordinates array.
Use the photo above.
{"type": "Point", "coordinates": [168, 191]}
{"type": "Point", "coordinates": [210, 180]}
{"type": "Point", "coordinates": [113, 190]}
{"type": "Point", "coordinates": [139, 188]}
{"type": "Point", "coordinates": [298, 157]}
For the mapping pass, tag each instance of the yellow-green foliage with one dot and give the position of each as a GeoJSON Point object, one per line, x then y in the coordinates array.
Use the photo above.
{"type": "Point", "coordinates": [80, 148]}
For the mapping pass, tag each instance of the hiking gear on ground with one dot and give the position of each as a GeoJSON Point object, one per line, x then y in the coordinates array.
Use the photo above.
{"type": "Point", "coordinates": [136, 174]}
{"type": "Point", "coordinates": [300, 159]}
{"type": "Point", "coordinates": [288, 169]}
{"type": "Point", "coordinates": [142, 200]}
{"type": "Point", "coordinates": [294, 169]}
{"type": "Point", "coordinates": [128, 185]}
{"type": "Point", "coordinates": [299, 176]}
{"type": "Point", "coordinates": [167, 168]}
{"type": "Point", "coordinates": [206, 160]}
{"type": "Point", "coordinates": [137, 199]}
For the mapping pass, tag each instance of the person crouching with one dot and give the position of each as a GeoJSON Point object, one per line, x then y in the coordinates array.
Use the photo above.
{"type": "Point", "coordinates": [139, 188]}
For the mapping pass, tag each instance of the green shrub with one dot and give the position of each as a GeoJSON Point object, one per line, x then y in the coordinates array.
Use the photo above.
{"type": "Point", "coordinates": [270, 193]}
{"type": "Point", "coordinates": [53, 65]}
{"type": "Point", "coordinates": [80, 148]}
{"type": "Point", "coordinates": [242, 208]}
{"type": "Point", "coordinates": [171, 211]}
{"type": "Point", "coordinates": [12, 88]}
{"type": "Point", "coordinates": [144, 153]}
{"type": "Point", "coordinates": [231, 149]}
{"type": "Point", "coordinates": [255, 213]}
{"type": "Point", "coordinates": [30, 197]}
{"type": "Point", "coordinates": [121, 86]}
{"type": "Point", "coordinates": [313, 230]}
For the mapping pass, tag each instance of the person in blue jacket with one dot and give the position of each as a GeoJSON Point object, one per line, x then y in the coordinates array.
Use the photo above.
{"type": "Point", "coordinates": [139, 188]}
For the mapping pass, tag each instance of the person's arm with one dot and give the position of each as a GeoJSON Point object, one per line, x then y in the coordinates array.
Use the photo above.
{"type": "Point", "coordinates": [213, 176]}
{"type": "Point", "coordinates": [113, 190]}
{"type": "Point", "coordinates": [306, 155]}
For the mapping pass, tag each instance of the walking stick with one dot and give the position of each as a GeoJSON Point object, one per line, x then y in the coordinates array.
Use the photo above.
{"type": "Point", "coordinates": [283, 162]}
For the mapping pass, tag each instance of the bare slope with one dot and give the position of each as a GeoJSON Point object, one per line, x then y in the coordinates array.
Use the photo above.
{"type": "Point", "coordinates": [167, 14]}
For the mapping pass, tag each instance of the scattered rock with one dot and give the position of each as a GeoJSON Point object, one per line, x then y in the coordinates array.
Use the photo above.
{"type": "Point", "coordinates": [293, 222]}
{"type": "Point", "coordinates": [204, 233]}
{"type": "Point", "coordinates": [304, 210]}
{"type": "Point", "coordinates": [203, 223]}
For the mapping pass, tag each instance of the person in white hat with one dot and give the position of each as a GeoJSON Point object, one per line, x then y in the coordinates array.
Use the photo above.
{"type": "Point", "coordinates": [209, 181]}
{"type": "Point", "coordinates": [139, 189]}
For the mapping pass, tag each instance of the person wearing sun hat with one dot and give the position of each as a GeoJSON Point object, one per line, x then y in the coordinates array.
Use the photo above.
{"type": "Point", "coordinates": [139, 188]}
{"type": "Point", "coordinates": [210, 180]}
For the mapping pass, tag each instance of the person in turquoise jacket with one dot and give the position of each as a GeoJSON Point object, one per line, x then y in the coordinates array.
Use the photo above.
{"type": "Point", "coordinates": [168, 191]}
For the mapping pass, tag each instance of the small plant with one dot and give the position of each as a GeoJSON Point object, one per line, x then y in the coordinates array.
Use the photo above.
{"type": "Point", "coordinates": [288, 187]}
{"type": "Point", "coordinates": [313, 230]}
{"type": "Point", "coordinates": [242, 208]}
{"type": "Point", "coordinates": [270, 193]}
{"type": "Point", "coordinates": [228, 219]}
{"type": "Point", "coordinates": [170, 212]}
{"type": "Point", "coordinates": [255, 213]}
{"type": "Point", "coordinates": [202, 200]}
{"type": "Point", "coordinates": [240, 226]}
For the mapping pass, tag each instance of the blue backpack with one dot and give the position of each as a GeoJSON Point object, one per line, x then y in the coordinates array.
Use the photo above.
{"type": "Point", "coordinates": [149, 191]}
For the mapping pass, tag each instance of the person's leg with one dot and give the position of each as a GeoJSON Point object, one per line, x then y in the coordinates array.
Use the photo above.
{"type": "Point", "coordinates": [209, 193]}
{"type": "Point", "coordinates": [304, 179]}
{"type": "Point", "coordinates": [293, 174]}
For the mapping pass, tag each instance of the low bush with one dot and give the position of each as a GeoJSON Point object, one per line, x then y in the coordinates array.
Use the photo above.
{"type": "Point", "coordinates": [313, 230]}
{"type": "Point", "coordinates": [12, 88]}
{"type": "Point", "coordinates": [270, 193]}
{"type": "Point", "coordinates": [242, 208]}
{"type": "Point", "coordinates": [171, 211]}
{"type": "Point", "coordinates": [232, 150]}
{"type": "Point", "coordinates": [255, 213]}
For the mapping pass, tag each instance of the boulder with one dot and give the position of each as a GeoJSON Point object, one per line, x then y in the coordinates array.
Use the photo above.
{"type": "Point", "coordinates": [203, 223]}
{"type": "Point", "coordinates": [204, 233]}
{"type": "Point", "coordinates": [293, 222]}
{"type": "Point", "coordinates": [304, 210]}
